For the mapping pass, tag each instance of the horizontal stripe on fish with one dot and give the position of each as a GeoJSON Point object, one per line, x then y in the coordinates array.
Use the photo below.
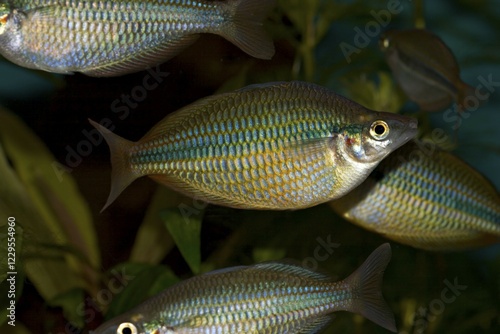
{"type": "Point", "coordinates": [263, 298]}
{"type": "Point", "coordinates": [431, 201]}
{"type": "Point", "coordinates": [106, 38]}
{"type": "Point", "coordinates": [273, 146]}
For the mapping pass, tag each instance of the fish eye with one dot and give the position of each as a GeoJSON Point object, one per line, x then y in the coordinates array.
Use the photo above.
{"type": "Point", "coordinates": [379, 130]}
{"type": "Point", "coordinates": [127, 328]}
{"type": "Point", "coordinates": [385, 42]}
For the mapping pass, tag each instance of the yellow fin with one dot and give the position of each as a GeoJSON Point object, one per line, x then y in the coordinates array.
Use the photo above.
{"type": "Point", "coordinates": [245, 27]}
{"type": "Point", "coordinates": [121, 175]}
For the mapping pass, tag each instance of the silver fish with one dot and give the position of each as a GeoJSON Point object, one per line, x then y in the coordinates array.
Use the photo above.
{"type": "Point", "coordinates": [110, 38]}
{"type": "Point", "coordinates": [281, 145]}
{"type": "Point", "coordinates": [427, 199]}
{"type": "Point", "coordinates": [269, 298]}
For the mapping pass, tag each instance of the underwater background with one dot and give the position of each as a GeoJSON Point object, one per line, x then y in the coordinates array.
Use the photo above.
{"type": "Point", "coordinates": [78, 267]}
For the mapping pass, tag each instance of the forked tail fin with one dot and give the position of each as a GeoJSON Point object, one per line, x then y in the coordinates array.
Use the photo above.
{"type": "Point", "coordinates": [366, 284]}
{"type": "Point", "coordinates": [121, 175]}
{"type": "Point", "coordinates": [467, 100]}
{"type": "Point", "coordinates": [245, 28]}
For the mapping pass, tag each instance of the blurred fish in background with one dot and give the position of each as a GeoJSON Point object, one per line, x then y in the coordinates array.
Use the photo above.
{"type": "Point", "coordinates": [427, 198]}
{"type": "Point", "coordinates": [111, 38]}
{"type": "Point", "coordinates": [425, 68]}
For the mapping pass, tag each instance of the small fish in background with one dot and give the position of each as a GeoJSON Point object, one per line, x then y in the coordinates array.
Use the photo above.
{"type": "Point", "coordinates": [264, 298]}
{"type": "Point", "coordinates": [109, 38]}
{"type": "Point", "coordinates": [428, 200]}
{"type": "Point", "coordinates": [425, 68]}
{"type": "Point", "coordinates": [283, 145]}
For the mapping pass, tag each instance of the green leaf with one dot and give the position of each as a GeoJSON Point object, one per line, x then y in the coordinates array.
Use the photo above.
{"type": "Point", "coordinates": [20, 328]}
{"type": "Point", "coordinates": [148, 280]}
{"type": "Point", "coordinates": [52, 189]}
{"type": "Point", "coordinates": [153, 241]}
{"type": "Point", "coordinates": [49, 276]}
{"type": "Point", "coordinates": [71, 301]}
{"type": "Point", "coordinates": [237, 81]}
{"type": "Point", "coordinates": [263, 254]}
{"type": "Point", "coordinates": [184, 224]}
{"type": "Point", "coordinates": [44, 208]}
{"type": "Point", "coordinates": [379, 94]}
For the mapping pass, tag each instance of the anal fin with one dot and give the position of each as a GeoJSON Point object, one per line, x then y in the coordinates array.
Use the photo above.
{"type": "Point", "coordinates": [144, 59]}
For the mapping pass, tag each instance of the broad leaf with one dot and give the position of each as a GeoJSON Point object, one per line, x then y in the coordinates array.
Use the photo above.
{"type": "Point", "coordinates": [184, 224]}
{"type": "Point", "coordinates": [153, 241]}
{"type": "Point", "coordinates": [70, 301]}
{"type": "Point", "coordinates": [55, 195]}
{"type": "Point", "coordinates": [145, 281]}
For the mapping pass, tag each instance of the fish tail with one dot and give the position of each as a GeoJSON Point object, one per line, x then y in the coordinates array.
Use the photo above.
{"type": "Point", "coordinates": [467, 99]}
{"type": "Point", "coordinates": [245, 28]}
{"type": "Point", "coordinates": [366, 283]}
{"type": "Point", "coordinates": [121, 175]}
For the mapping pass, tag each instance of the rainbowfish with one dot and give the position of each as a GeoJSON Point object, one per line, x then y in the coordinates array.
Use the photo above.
{"type": "Point", "coordinates": [264, 298]}
{"type": "Point", "coordinates": [283, 145]}
{"type": "Point", "coordinates": [109, 38]}
{"type": "Point", "coordinates": [425, 68]}
{"type": "Point", "coordinates": [426, 198]}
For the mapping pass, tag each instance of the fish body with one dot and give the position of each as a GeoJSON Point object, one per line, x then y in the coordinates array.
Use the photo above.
{"type": "Point", "coordinates": [263, 298]}
{"type": "Point", "coordinates": [425, 68]}
{"type": "Point", "coordinates": [110, 38]}
{"type": "Point", "coordinates": [432, 201]}
{"type": "Point", "coordinates": [284, 145]}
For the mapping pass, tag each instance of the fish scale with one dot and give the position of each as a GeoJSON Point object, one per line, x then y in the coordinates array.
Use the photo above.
{"type": "Point", "coordinates": [104, 38]}
{"type": "Point", "coordinates": [254, 148]}
{"type": "Point", "coordinates": [261, 131]}
{"type": "Point", "coordinates": [272, 298]}
{"type": "Point", "coordinates": [435, 201]}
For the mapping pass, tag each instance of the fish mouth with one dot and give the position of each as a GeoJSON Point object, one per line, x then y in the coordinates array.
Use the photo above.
{"type": "Point", "coordinates": [405, 129]}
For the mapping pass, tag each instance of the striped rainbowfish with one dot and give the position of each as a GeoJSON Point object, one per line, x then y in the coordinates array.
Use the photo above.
{"type": "Point", "coordinates": [110, 38]}
{"type": "Point", "coordinates": [284, 145]}
{"type": "Point", "coordinates": [263, 298]}
{"type": "Point", "coordinates": [431, 201]}
{"type": "Point", "coordinates": [425, 68]}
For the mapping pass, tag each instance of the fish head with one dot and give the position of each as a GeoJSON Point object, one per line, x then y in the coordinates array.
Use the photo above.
{"type": "Point", "coordinates": [387, 41]}
{"type": "Point", "coordinates": [380, 134]}
{"type": "Point", "coordinates": [10, 30]}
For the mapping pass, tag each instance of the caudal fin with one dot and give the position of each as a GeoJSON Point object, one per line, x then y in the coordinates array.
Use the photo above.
{"type": "Point", "coordinates": [467, 99]}
{"type": "Point", "coordinates": [121, 175]}
{"type": "Point", "coordinates": [366, 283]}
{"type": "Point", "coordinates": [245, 29]}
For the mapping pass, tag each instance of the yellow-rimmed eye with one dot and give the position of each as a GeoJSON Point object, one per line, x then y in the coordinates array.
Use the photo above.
{"type": "Point", "coordinates": [386, 42]}
{"type": "Point", "coordinates": [379, 130]}
{"type": "Point", "coordinates": [127, 328]}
